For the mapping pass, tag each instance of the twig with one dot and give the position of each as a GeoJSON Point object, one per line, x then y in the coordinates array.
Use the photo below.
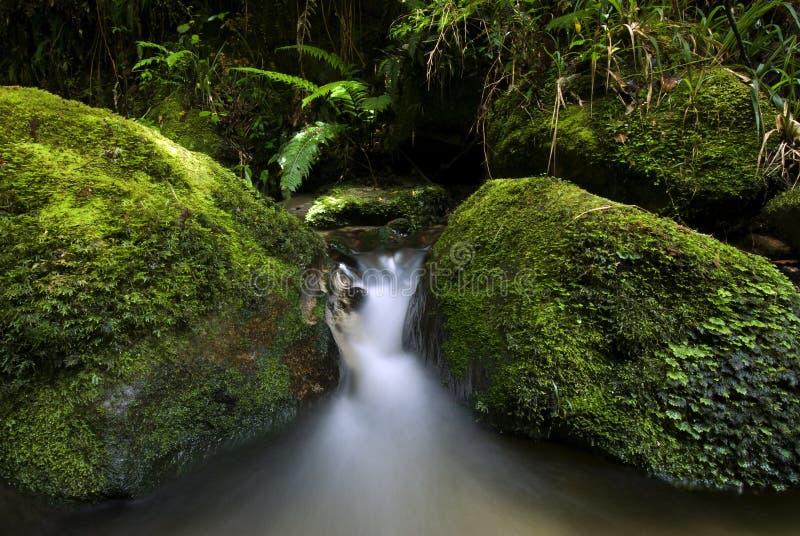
{"type": "Point", "coordinates": [604, 207]}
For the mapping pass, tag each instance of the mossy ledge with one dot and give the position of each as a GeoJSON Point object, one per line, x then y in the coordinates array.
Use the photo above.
{"type": "Point", "coordinates": [579, 318]}
{"type": "Point", "coordinates": [691, 153]}
{"type": "Point", "coordinates": [346, 205]}
{"type": "Point", "coordinates": [150, 304]}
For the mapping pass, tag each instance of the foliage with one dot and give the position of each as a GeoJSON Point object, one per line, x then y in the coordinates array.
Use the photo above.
{"type": "Point", "coordinates": [603, 324]}
{"type": "Point", "coordinates": [187, 65]}
{"type": "Point", "coordinates": [346, 109]}
{"type": "Point", "coordinates": [302, 151]}
{"type": "Point", "coordinates": [784, 159]}
{"type": "Point", "coordinates": [492, 40]}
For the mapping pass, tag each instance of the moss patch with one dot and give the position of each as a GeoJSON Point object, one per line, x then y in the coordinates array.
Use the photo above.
{"type": "Point", "coordinates": [692, 153]}
{"type": "Point", "coordinates": [615, 328]}
{"type": "Point", "coordinates": [187, 128]}
{"type": "Point", "coordinates": [362, 205]}
{"type": "Point", "coordinates": [147, 299]}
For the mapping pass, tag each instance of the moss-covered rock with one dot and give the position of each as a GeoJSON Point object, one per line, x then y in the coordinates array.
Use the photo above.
{"type": "Point", "coordinates": [363, 205]}
{"type": "Point", "coordinates": [150, 303]}
{"type": "Point", "coordinates": [691, 153]}
{"type": "Point", "coordinates": [576, 317]}
{"type": "Point", "coordinates": [783, 216]}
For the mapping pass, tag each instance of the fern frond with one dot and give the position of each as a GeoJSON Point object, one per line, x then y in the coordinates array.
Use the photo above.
{"type": "Point", "coordinates": [349, 93]}
{"type": "Point", "coordinates": [334, 61]}
{"type": "Point", "coordinates": [300, 153]}
{"type": "Point", "coordinates": [175, 57]}
{"type": "Point", "coordinates": [147, 62]}
{"type": "Point", "coordinates": [377, 104]}
{"type": "Point", "coordinates": [148, 44]}
{"type": "Point", "coordinates": [296, 81]}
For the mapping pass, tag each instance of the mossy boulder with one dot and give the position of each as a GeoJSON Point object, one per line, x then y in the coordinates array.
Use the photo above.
{"type": "Point", "coordinates": [691, 153]}
{"type": "Point", "coordinates": [783, 216]}
{"type": "Point", "coordinates": [575, 317]}
{"type": "Point", "coordinates": [347, 205]}
{"type": "Point", "coordinates": [150, 303]}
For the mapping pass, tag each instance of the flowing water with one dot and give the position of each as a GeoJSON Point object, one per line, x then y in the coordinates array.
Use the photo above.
{"type": "Point", "coordinates": [392, 453]}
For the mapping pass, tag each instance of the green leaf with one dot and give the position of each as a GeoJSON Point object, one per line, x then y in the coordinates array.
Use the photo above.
{"type": "Point", "coordinates": [329, 58]}
{"type": "Point", "coordinates": [377, 104]}
{"type": "Point", "coordinates": [296, 81]}
{"type": "Point", "coordinates": [300, 153]}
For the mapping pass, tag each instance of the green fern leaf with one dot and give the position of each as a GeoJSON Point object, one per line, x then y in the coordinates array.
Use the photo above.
{"type": "Point", "coordinates": [329, 58]}
{"type": "Point", "coordinates": [175, 57]}
{"type": "Point", "coordinates": [377, 104]}
{"type": "Point", "coordinates": [300, 153]}
{"type": "Point", "coordinates": [275, 76]}
{"type": "Point", "coordinates": [147, 44]}
{"type": "Point", "coordinates": [147, 62]}
{"type": "Point", "coordinates": [346, 93]}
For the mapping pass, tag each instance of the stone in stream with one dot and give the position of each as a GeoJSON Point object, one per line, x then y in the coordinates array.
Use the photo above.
{"type": "Point", "coordinates": [782, 214]}
{"type": "Point", "coordinates": [574, 317]}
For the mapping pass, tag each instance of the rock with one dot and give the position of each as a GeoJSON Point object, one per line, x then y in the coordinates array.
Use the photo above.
{"type": "Point", "coordinates": [768, 246]}
{"type": "Point", "coordinates": [150, 304]}
{"type": "Point", "coordinates": [782, 214]}
{"type": "Point", "coordinates": [344, 206]}
{"type": "Point", "coordinates": [349, 240]}
{"type": "Point", "coordinates": [690, 155]}
{"type": "Point", "coordinates": [578, 318]}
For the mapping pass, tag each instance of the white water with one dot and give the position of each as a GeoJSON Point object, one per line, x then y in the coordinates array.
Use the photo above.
{"type": "Point", "coordinates": [391, 453]}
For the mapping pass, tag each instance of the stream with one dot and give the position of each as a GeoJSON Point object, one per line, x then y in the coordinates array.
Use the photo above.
{"type": "Point", "coordinates": [392, 453]}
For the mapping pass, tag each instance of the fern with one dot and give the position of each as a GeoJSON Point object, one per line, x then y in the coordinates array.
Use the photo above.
{"type": "Point", "coordinates": [377, 104]}
{"type": "Point", "coordinates": [284, 78]}
{"type": "Point", "coordinates": [334, 61]}
{"type": "Point", "coordinates": [165, 55]}
{"type": "Point", "coordinates": [300, 153]}
{"type": "Point", "coordinates": [350, 93]}
{"type": "Point", "coordinates": [147, 44]}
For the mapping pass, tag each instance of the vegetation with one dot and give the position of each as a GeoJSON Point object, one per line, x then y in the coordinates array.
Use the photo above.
{"type": "Point", "coordinates": [598, 322]}
{"type": "Point", "coordinates": [347, 109]}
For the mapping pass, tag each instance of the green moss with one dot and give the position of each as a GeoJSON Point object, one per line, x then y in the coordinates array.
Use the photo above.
{"type": "Point", "coordinates": [690, 153]}
{"type": "Point", "coordinates": [144, 290]}
{"type": "Point", "coordinates": [783, 216]}
{"type": "Point", "coordinates": [188, 128]}
{"type": "Point", "coordinates": [359, 205]}
{"type": "Point", "coordinates": [612, 327]}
